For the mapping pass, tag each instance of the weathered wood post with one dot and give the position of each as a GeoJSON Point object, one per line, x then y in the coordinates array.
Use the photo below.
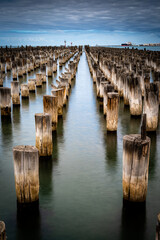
{"type": "Point", "coordinates": [43, 72]}
{"type": "Point", "coordinates": [136, 150]}
{"type": "Point", "coordinates": [32, 85]}
{"type": "Point", "coordinates": [158, 228]}
{"type": "Point", "coordinates": [54, 66]}
{"type": "Point", "coordinates": [14, 70]}
{"type": "Point", "coordinates": [151, 105]}
{"type": "Point", "coordinates": [112, 111]}
{"type": "Point", "coordinates": [50, 67]}
{"type": "Point", "coordinates": [1, 81]}
{"type": "Point", "coordinates": [108, 88]}
{"type": "Point", "coordinates": [50, 106]}
{"type": "Point", "coordinates": [5, 101]}
{"type": "Point", "coordinates": [59, 93]}
{"type": "Point", "coordinates": [2, 231]}
{"type": "Point", "coordinates": [135, 98]}
{"type": "Point", "coordinates": [15, 93]}
{"type": "Point", "coordinates": [43, 124]}
{"type": "Point", "coordinates": [26, 170]}
{"type": "Point", "coordinates": [24, 91]}
{"type": "Point", "coordinates": [39, 80]}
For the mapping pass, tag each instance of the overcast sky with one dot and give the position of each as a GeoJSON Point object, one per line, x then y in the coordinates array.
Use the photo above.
{"type": "Point", "coordinates": [103, 22]}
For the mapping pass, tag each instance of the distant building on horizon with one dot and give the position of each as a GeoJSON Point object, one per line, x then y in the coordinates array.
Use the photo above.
{"type": "Point", "coordinates": [126, 44]}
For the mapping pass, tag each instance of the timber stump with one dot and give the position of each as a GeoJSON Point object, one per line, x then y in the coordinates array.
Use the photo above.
{"type": "Point", "coordinates": [26, 170]}
{"type": "Point", "coordinates": [43, 124]}
{"type": "Point", "coordinates": [112, 111]}
{"type": "Point", "coordinates": [135, 167]}
{"type": "Point", "coordinates": [2, 231]}
{"type": "Point", "coordinates": [50, 106]}
{"type": "Point", "coordinates": [5, 101]}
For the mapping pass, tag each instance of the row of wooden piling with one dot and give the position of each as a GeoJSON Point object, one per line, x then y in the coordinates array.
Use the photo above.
{"type": "Point", "coordinates": [106, 94]}
{"type": "Point", "coordinates": [136, 147]}
{"type": "Point", "coordinates": [131, 80]}
{"type": "Point", "coordinates": [129, 71]}
{"type": "Point", "coordinates": [24, 60]}
{"type": "Point", "coordinates": [24, 89]}
{"type": "Point", "coordinates": [26, 158]}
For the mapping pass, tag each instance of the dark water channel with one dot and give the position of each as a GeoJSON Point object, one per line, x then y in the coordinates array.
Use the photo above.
{"type": "Point", "coordinates": [81, 186]}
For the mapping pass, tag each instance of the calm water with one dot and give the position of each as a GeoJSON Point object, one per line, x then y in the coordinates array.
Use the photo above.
{"type": "Point", "coordinates": [151, 48]}
{"type": "Point", "coordinates": [81, 187]}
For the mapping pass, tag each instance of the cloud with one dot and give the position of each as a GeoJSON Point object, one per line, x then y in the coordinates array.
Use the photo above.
{"type": "Point", "coordinates": [46, 17]}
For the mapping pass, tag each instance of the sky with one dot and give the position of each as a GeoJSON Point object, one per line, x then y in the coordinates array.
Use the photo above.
{"type": "Point", "coordinates": [93, 22]}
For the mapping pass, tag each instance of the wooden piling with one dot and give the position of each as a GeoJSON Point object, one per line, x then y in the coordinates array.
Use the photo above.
{"type": "Point", "coordinates": [50, 106]}
{"type": "Point", "coordinates": [158, 228]}
{"type": "Point", "coordinates": [2, 231]}
{"type": "Point", "coordinates": [151, 105]}
{"type": "Point", "coordinates": [112, 111]}
{"type": "Point", "coordinates": [26, 170]}
{"type": "Point", "coordinates": [15, 93]}
{"type": "Point", "coordinates": [24, 91]}
{"type": "Point", "coordinates": [39, 78]}
{"type": "Point", "coordinates": [5, 101]}
{"type": "Point", "coordinates": [135, 167]}
{"type": "Point", "coordinates": [32, 85]}
{"type": "Point", "coordinates": [59, 93]}
{"type": "Point", "coordinates": [43, 124]}
{"type": "Point", "coordinates": [108, 88]}
{"type": "Point", "coordinates": [135, 98]}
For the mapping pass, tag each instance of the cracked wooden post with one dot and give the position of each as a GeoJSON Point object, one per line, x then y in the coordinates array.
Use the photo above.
{"type": "Point", "coordinates": [5, 101]}
{"type": "Point", "coordinates": [2, 231]}
{"type": "Point", "coordinates": [32, 85]}
{"type": "Point", "coordinates": [15, 93]}
{"type": "Point", "coordinates": [54, 66]}
{"type": "Point", "coordinates": [50, 106]}
{"type": "Point", "coordinates": [135, 167]}
{"type": "Point", "coordinates": [24, 91]}
{"type": "Point", "coordinates": [108, 88]}
{"type": "Point", "coordinates": [151, 105]}
{"type": "Point", "coordinates": [112, 111]}
{"type": "Point", "coordinates": [26, 171]}
{"type": "Point", "coordinates": [14, 70]}
{"type": "Point", "coordinates": [50, 67]}
{"type": "Point", "coordinates": [59, 93]}
{"type": "Point", "coordinates": [39, 78]}
{"type": "Point", "coordinates": [43, 72]}
{"type": "Point", "coordinates": [1, 82]}
{"type": "Point", "coordinates": [43, 124]}
{"type": "Point", "coordinates": [158, 228]}
{"type": "Point", "coordinates": [135, 98]}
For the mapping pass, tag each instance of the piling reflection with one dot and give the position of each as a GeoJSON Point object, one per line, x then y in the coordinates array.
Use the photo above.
{"type": "Point", "coordinates": [41, 90]}
{"type": "Point", "coordinates": [6, 128]}
{"type": "Point", "coordinates": [50, 80]}
{"type": "Point", "coordinates": [32, 96]}
{"type": "Point", "coordinates": [25, 103]}
{"type": "Point", "coordinates": [45, 175]}
{"type": "Point", "coordinates": [16, 113]}
{"type": "Point", "coordinates": [110, 139]}
{"type": "Point", "coordinates": [133, 221]}
{"type": "Point", "coordinates": [135, 123]}
{"type": "Point", "coordinates": [153, 153]}
{"type": "Point", "coordinates": [28, 221]}
{"type": "Point", "coordinates": [55, 147]}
